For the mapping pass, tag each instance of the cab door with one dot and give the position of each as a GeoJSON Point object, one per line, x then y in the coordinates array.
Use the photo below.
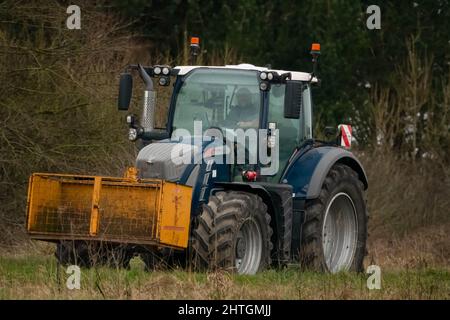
{"type": "Point", "coordinates": [288, 129]}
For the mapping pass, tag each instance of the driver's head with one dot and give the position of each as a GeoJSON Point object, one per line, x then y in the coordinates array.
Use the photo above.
{"type": "Point", "coordinates": [244, 97]}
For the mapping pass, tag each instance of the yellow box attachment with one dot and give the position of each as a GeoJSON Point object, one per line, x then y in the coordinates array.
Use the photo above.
{"type": "Point", "coordinates": [66, 207]}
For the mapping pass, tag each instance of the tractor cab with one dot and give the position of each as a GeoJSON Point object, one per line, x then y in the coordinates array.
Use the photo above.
{"type": "Point", "coordinates": [271, 106]}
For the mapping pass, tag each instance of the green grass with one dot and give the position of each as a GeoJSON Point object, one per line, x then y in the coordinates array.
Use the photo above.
{"type": "Point", "coordinates": [36, 277]}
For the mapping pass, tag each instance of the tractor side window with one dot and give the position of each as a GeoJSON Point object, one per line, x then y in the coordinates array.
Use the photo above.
{"type": "Point", "coordinates": [288, 128]}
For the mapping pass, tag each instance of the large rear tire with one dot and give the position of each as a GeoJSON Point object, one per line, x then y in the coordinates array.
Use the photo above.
{"type": "Point", "coordinates": [335, 231]}
{"type": "Point", "coordinates": [233, 233]}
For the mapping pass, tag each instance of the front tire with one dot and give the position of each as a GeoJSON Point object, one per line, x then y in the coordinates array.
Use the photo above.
{"type": "Point", "coordinates": [335, 231]}
{"type": "Point", "coordinates": [233, 233]}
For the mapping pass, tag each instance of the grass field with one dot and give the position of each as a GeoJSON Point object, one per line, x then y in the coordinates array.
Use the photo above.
{"type": "Point", "coordinates": [416, 266]}
{"type": "Point", "coordinates": [35, 277]}
{"type": "Point", "coordinates": [411, 246]}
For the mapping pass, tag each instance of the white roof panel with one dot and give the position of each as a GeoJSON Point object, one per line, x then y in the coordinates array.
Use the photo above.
{"type": "Point", "coordinates": [296, 75]}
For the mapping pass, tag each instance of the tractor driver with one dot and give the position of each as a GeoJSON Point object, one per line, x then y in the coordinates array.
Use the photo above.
{"type": "Point", "coordinates": [245, 114]}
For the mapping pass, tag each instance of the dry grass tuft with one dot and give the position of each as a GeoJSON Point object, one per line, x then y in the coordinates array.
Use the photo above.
{"type": "Point", "coordinates": [427, 247]}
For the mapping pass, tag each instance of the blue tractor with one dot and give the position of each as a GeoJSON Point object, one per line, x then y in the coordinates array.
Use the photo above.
{"type": "Point", "coordinates": [235, 180]}
{"type": "Point", "coordinates": [307, 206]}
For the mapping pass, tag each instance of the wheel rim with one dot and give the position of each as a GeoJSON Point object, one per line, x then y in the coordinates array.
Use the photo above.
{"type": "Point", "coordinates": [248, 248]}
{"type": "Point", "coordinates": [339, 233]}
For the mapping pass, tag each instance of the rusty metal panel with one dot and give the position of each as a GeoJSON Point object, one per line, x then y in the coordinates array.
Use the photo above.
{"type": "Point", "coordinates": [129, 211]}
{"type": "Point", "coordinates": [54, 207]}
{"type": "Point", "coordinates": [108, 209]}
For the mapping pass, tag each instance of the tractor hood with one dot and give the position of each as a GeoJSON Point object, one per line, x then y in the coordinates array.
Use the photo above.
{"type": "Point", "coordinates": [168, 159]}
{"type": "Point", "coordinates": [155, 160]}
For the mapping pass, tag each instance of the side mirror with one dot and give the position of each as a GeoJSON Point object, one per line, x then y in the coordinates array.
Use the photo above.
{"type": "Point", "coordinates": [125, 90]}
{"type": "Point", "coordinates": [293, 99]}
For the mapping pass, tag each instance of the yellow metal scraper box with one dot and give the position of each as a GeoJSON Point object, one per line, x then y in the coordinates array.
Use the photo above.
{"type": "Point", "coordinates": [125, 210]}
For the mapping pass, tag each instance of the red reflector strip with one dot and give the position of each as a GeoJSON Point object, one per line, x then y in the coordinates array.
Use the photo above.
{"type": "Point", "coordinates": [346, 135]}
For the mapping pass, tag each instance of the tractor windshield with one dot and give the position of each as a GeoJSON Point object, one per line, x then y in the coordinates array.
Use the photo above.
{"type": "Point", "coordinates": [223, 98]}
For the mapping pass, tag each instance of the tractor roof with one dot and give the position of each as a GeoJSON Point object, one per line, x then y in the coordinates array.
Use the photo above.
{"type": "Point", "coordinates": [296, 75]}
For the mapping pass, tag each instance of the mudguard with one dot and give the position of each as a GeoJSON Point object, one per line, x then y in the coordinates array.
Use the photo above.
{"type": "Point", "coordinates": [307, 171]}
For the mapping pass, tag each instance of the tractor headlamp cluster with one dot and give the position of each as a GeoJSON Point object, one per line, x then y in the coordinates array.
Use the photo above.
{"type": "Point", "coordinates": [266, 78]}
{"type": "Point", "coordinates": [163, 72]}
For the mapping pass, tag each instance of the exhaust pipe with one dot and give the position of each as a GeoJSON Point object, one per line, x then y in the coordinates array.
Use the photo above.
{"type": "Point", "coordinates": [148, 110]}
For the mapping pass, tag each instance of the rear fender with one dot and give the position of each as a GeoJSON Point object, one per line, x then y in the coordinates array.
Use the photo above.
{"type": "Point", "coordinates": [307, 172]}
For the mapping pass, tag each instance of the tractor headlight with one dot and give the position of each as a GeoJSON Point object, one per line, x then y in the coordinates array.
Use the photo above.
{"type": "Point", "coordinates": [264, 86]}
{"type": "Point", "coordinates": [165, 71]}
{"type": "Point", "coordinates": [164, 81]}
{"type": "Point", "coordinates": [157, 70]}
{"type": "Point", "coordinates": [270, 76]}
{"type": "Point", "coordinates": [132, 134]}
{"type": "Point", "coordinates": [263, 75]}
